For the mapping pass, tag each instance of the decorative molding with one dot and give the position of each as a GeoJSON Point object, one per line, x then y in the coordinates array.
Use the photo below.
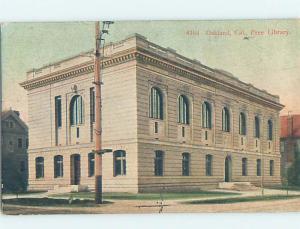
{"type": "Point", "coordinates": [147, 57]}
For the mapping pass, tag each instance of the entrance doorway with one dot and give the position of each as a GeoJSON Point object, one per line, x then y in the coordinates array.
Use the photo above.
{"type": "Point", "coordinates": [75, 169]}
{"type": "Point", "coordinates": [228, 165]}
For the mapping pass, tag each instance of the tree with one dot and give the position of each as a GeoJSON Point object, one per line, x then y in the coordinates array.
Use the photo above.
{"type": "Point", "coordinates": [293, 173]}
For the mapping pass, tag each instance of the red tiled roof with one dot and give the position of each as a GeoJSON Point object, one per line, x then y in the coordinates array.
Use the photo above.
{"type": "Point", "coordinates": [294, 125]}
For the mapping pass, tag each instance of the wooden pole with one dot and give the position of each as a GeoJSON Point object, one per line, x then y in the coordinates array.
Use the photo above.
{"type": "Point", "coordinates": [97, 129]}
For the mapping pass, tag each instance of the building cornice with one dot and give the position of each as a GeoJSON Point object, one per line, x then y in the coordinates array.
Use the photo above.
{"type": "Point", "coordinates": [206, 76]}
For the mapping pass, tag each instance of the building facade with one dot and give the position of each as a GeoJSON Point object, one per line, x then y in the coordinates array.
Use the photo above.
{"type": "Point", "coordinates": [172, 123]}
{"type": "Point", "coordinates": [14, 144]}
{"type": "Point", "coordinates": [289, 140]}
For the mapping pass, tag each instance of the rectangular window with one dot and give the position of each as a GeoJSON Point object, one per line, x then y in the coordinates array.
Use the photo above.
{"type": "Point", "coordinates": [258, 167]}
{"type": "Point", "coordinates": [183, 131]}
{"type": "Point", "coordinates": [271, 168]}
{"type": "Point", "coordinates": [120, 163]}
{"type": "Point", "coordinates": [58, 166]}
{"type": "Point", "coordinates": [20, 143]}
{"type": "Point", "coordinates": [208, 165]}
{"type": "Point", "coordinates": [206, 135]}
{"type": "Point", "coordinates": [39, 167]}
{"type": "Point", "coordinates": [255, 143]}
{"type": "Point", "coordinates": [159, 163]}
{"type": "Point", "coordinates": [242, 141]}
{"type": "Point", "coordinates": [58, 111]}
{"type": "Point", "coordinates": [185, 164]}
{"type": "Point", "coordinates": [155, 127]}
{"type": "Point", "coordinates": [92, 104]}
{"type": "Point", "coordinates": [77, 132]}
{"type": "Point", "coordinates": [244, 166]}
{"type": "Point", "coordinates": [27, 143]}
{"type": "Point", "coordinates": [91, 157]}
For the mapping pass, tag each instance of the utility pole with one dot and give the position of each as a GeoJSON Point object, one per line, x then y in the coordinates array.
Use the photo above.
{"type": "Point", "coordinates": [98, 109]}
{"type": "Point", "coordinates": [262, 165]}
{"type": "Point", "coordinates": [98, 128]}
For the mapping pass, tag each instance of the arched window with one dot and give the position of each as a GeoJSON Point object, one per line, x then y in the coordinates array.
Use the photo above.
{"type": "Point", "coordinates": [242, 124]}
{"type": "Point", "coordinates": [225, 120]}
{"type": "Point", "coordinates": [185, 164]}
{"type": "Point", "coordinates": [58, 166]}
{"type": "Point", "coordinates": [76, 110]}
{"type": "Point", "coordinates": [270, 130]}
{"type": "Point", "coordinates": [39, 167]}
{"type": "Point", "coordinates": [206, 115]}
{"type": "Point", "coordinates": [208, 165]}
{"type": "Point", "coordinates": [91, 164]}
{"type": "Point", "coordinates": [119, 163]}
{"type": "Point", "coordinates": [183, 110]}
{"type": "Point", "coordinates": [156, 104]}
{"type": "Point", "coordinates": [159, 163]}
{"type": "Point", "coordinates": [256, 127]}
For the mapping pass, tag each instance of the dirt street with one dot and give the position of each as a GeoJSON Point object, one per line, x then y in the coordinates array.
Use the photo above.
{"type": "Point", "coordinates": [292, 205]}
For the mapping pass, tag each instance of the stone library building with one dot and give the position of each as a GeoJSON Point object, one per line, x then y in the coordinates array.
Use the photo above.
{"type": "Point", "coordinates": [173, 124]}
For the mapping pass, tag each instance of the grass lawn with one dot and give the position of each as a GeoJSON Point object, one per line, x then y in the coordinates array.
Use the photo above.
{"type": "Point", "coordinates": [147, 196]}
{"type": "Point", "coordinates": [290, 188]}
{"type": "Point", "coordinates": [242, 199]}
{"type": "Point", "coordinates": [48, 202]}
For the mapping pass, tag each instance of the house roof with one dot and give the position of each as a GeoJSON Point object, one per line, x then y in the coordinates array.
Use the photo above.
{"type": "Point", "coordinates": [290, 126]}
{"type": "Point", "coordinates": [15, 114]}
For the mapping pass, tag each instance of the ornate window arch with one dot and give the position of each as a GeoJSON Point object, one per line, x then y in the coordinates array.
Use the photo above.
{"type": "Point", "coordinates": [206, 115]}
{"type": "Point", "coordinates": [76, 110]}
{"type": "Point", "coordinates": [156, 104]}
{"type": "Point", "coordinates": [225, 120]}
{"type": "Point", "coordinates": [270, 130]}
{"type": "Point", "coordinates": [183, 109]}
{"type": "Point", "coordinates": [242, 124]}
{"type": "Point", "coordinates": [256, 127]}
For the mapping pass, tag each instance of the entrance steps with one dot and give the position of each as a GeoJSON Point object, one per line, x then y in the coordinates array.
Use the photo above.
{"type": "Point", "coordinates": [57, 189]}
{"type": "Point", "coordinates": [238, 186]}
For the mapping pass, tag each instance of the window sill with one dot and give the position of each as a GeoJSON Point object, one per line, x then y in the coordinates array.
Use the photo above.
{"type": "Point", "coordinates": [77, 125]}
{"type": "Point", "coordinates": [206, 128]}
{"type": "Point", "coordinates": [156, 119]}
{"type": "Point", "coordinates": [183, 125]}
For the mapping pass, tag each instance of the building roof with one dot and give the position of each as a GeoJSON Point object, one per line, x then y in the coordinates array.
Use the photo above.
{"type": "Point", "coordinates": [138, 47]}
{"type": "Point", "coordinates": [16, 115]}
{"type": "Point", "coordinates": [290, 126]}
